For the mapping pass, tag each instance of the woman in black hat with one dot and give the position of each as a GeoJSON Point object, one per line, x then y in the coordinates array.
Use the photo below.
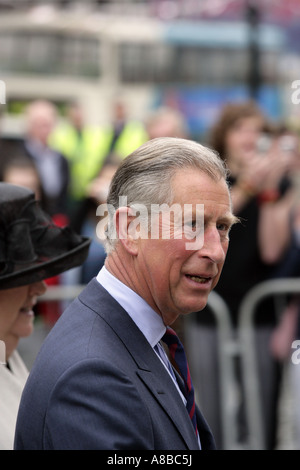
{"type": "Point", "coordinates": [32, 249]}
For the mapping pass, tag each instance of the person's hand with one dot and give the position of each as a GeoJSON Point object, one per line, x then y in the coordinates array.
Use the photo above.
{"type": "Point", "coordinates": [263, 172]}
{"type": "Point", "coordinates": [279, 164]}
{"type": "Point", "coordinates": [254, 174]}
{"type": "Point", "coordinates": [284, 333]}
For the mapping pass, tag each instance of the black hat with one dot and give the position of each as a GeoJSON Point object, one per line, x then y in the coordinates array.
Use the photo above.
{"type": "Point", "coordinates": [32, 247]}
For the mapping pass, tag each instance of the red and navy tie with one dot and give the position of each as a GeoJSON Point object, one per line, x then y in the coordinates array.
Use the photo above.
{"type": "Point", "coordinates": [178, 355]}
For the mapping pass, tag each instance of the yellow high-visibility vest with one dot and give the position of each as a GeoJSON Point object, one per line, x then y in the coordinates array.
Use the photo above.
{"type": "Point", "coordinates": [132, 136]}
{"type": "Point", "coordinates": [87, 153]}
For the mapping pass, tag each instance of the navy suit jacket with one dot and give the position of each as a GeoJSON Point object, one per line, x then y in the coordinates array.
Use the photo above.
{"type": "Point", "coordinates": [97, 384]}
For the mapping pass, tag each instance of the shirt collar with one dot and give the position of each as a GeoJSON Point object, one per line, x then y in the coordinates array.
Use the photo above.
{"type": "Point", "coordinates": [145, 318]}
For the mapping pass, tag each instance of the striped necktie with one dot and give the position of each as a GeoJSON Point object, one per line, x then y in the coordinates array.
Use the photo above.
{"type": "Point", "coordinates": [178, 355]}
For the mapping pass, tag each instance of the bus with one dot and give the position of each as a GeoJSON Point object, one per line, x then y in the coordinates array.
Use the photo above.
{"type": "Point", "coordinates": [94, 58]}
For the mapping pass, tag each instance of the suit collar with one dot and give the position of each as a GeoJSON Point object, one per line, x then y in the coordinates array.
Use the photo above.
{"type": "Point", "coordinates": [147, 320]}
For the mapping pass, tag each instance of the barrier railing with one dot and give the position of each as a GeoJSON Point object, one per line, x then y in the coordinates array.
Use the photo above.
{"type": "Point", "coordinates": [246, 331]}
{"type": "Point", "coordinates": [60, 293]}
{"type": "Point", "coordinates": [227, 349]}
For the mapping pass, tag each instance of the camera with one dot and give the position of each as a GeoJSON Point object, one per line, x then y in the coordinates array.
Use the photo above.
{"type": "Point", "coordinates": [263, 144]}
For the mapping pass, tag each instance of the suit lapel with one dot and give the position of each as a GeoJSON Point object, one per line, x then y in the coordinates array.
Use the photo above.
{"type": "Point", "coordinates": [164, 391]}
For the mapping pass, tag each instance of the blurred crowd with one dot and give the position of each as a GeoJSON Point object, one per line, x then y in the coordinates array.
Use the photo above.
{"type": "Point", "coordinates": [69, 166]}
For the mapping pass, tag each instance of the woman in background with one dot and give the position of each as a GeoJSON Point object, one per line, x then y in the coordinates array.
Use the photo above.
{"type": "Point", "coordinates": [262, 196]}
{"type": "Point", "coordinates": [32, 249]}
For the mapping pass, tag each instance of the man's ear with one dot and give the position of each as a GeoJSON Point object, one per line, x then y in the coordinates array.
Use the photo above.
{"type": "Point", "coordinates": [124, 219]}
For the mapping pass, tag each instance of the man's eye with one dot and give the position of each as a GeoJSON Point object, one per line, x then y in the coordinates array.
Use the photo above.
{"type": "Point", "coordinates": [191, 224]}
{"type": "Point", "coordinates": [224, 228]}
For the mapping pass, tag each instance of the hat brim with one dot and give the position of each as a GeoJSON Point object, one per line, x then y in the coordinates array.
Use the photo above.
{"type": "Point", "coordinates": [44, 270]}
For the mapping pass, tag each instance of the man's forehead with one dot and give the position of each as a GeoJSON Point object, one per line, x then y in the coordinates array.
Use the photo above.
{"type": "Point", "coordinates": [189, 176]}
{"type": "Point", "coordinates": [194, 188]}
{"type": "Point", "coordinates": [198, 186]}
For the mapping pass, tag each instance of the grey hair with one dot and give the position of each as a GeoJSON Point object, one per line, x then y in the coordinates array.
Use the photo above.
{"type": "Point", "coordinates": [145, 176]}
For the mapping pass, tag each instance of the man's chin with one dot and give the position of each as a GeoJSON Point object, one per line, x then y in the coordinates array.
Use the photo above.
{"type": "Point", "coordinates": [194, 307]}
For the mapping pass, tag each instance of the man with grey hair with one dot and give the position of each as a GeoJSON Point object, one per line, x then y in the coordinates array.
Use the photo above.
{"type": "Point", "coordinates": [52, 166]}
{"type": "Point", "coordinates": [102, 379]}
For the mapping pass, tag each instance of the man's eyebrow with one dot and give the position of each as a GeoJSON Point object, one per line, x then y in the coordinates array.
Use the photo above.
{"type": "Point", "coordinates": [230, 218]}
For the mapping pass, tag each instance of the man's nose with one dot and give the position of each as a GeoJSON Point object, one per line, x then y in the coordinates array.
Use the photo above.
{"type": "Point", "coordinates": [213, 247]}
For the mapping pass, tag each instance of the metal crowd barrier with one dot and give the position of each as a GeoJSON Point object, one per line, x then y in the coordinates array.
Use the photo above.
{"type": "Point", "coordinates": [61, 293]}
{"type": "Point", "coordinates": [227, 350]}
{"type": "Point", "coordinates": [246, 331]}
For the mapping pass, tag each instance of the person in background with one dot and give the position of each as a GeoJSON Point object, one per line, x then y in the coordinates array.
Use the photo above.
{"type": "Point", "coordinates": [85, 146]}
{"type": "Point", "coordinates": [89, 147]}
{"type": "Point", "coordinates": [21, 171]}
{"type": "Point", "coordinates": [109, 384]}
{"type": "Point", "coordinates": [52, 166]}
{"type": "Point", "coordinates": [166, 122]}
{"type": "Point", "coordinates": [32, 249]}
{"type": "Point", "coordinates": [126, 134]}
{"type": "Point", "coordinates": [287, 329]}
{"type": "Point", "coordinates": [262, 197]}
{"type": "Point", "coordinates": [88, 219]}
{"type": "Point", "coordinates": [94, 152]}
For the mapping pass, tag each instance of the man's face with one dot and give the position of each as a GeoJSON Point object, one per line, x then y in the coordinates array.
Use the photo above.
{"type": "Point", "coordinates": [41, 124]}
{"type": "Point", "coordinates": [177, 280]}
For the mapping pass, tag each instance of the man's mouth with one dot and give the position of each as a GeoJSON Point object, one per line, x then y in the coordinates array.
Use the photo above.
{"type": "Point", "coordinates": [199, 279]}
